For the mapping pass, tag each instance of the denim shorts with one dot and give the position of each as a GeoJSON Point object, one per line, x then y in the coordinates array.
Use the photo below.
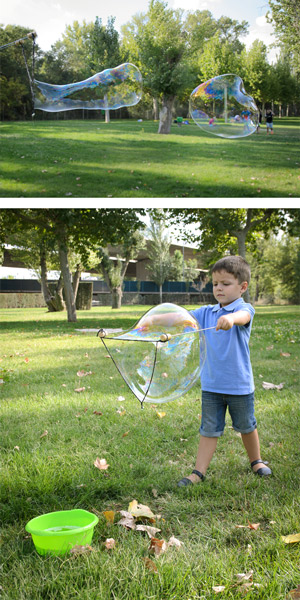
{"type": "Point", "coordinates": [214, 406]}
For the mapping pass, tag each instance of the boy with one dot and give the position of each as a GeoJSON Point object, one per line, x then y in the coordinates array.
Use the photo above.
{"type": "Point", "coordinates": [269, 121]}
{"type": "Point", "coordinates": [227, 379]}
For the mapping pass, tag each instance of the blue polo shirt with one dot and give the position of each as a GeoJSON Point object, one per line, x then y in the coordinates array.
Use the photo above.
{"type": "Point", "coordinates": [227, 369]}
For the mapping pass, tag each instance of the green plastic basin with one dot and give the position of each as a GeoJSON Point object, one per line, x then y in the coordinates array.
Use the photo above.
{"type": "Point", "coordinates": [58, 532]}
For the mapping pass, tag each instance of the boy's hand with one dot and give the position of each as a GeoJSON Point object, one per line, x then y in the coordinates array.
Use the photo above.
{"type": "Point", "coordinates": [226, 322]}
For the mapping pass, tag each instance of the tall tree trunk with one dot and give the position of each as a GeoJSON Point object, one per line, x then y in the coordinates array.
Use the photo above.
{"type": "Point", "coordinates": [44, 283]}
{"type": "Point", "coordinates": [160, 293]}
{"type": "Point", "coordinates": [54, 300]}
{"type": "Point", "coordinates": [107, 116]}
{"type": "Point", "coordinates": [165, 115]}
{"type": "Point", "coordinates": [155, 109]}
{"type": "Point", "coordinates": [117, 294]}
{"type": "Point", "coordinates": [76, 279]}
{"type": "Point", "coordinates": [241, 239]}
{"type": "Point", "coordinates": [65, 270]}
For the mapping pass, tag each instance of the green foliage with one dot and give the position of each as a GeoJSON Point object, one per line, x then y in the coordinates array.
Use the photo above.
{"type": "Point", "coordinates": [105, 45]}
{"type": "Point", "coordinates": [285, 16]}
{"type": "Point", "coordinates": [162, 48]}
{"type": "Point", "coordinates": [15, 94]}
{"type": "Point", "coordinates": [256, 72]}
{"type": "Point", "coordinates": [160, 266]}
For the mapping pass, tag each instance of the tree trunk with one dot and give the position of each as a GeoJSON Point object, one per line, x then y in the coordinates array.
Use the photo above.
{"type": "Point", "coordinates": [165, 115]}
{"type": "Point", "coordinates": [76, 279]}
{"type": "Point", "coordinates": [65, 270]}
{"type": "Point", "coordinates": [44, 283]}
{"type": "Point", "coordinates": [155, 109]}
{"type": "Point", "coordinates": [241, 239]}
{"type": "Point", "coordinates": [160, 293]}
{"type": "Point", "coordinates": [117, 294]}
{"type": "Point", "coordinates": [54, 300]}
{"type": "Point", "coordinates": [107, 116]}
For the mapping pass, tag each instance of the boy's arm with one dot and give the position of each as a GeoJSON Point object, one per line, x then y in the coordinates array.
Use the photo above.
{"type": "Point", "coordinates": [241, 317]}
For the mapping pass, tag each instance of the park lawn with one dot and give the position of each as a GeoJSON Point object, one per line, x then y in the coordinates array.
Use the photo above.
{"type": "Point", "coordinates": [91, 159]}
{"type": "Point", "coordinates": [41, 354]}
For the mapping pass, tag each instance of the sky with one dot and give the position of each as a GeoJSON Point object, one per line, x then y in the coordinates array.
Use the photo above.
{"type": "Point", "coordinates": [50, 17]}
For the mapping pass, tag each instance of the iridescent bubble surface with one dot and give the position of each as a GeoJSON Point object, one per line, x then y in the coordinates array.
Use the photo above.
{"type": "Point", "coordinates": [157, 371]}
{"type": "Point", "coordinates": [108, 90]}
{"type": "Point", "coordinates": [221, 106]}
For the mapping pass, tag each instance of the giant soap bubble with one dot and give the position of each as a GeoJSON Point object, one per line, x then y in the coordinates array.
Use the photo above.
{"type": "Point", "coordinates": [222, 107]}
{"type": "Point", "coordinates": [159, 362]}
{"type": "Point", "coordinates": [108, 90]}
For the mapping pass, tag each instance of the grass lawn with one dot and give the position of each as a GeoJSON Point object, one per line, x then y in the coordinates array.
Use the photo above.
{"type": "Point", "coordinates": [41, 355]}
{"type": "Point", "coordinates": [91, 159]}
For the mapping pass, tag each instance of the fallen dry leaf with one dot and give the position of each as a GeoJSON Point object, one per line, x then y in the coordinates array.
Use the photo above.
{"type": "Point", "coordinates": [81, 549]}
{"type": "Point", "coordinates": [245, 576]}
{"type": "Point", "coordinates": [109, 515]}
{"type": "Point", "coordinates": [83, 373]}
{"type": "Point", "coordinates": [157, 546]}
{"type": "Point", "coordinates": [78, 390]}
{"type": "Point", "coordinates": [174, 542]}
{"type": "Point", "coordinates": [150, 564]}
{"type": "Point", "coordinates": [151, 531]}
{"type": "Point", "coordinates": [272, 386]}
{"type": "Point", "coordinates": [253, 525]}
{"type": "Point", "coordinates": [109, 543]}
{"type": "Point", "coordinates": [161, 415]}
{"type": "Point", "coordinates": [140, 510]}
{"type": "Point", "coordinates": [291, 539]}
{"type": "Point", "coordinates": [287, 354]}
{"type": "Point", "coordinates": [218, 588]}
{"type": "Point", "coordinates": [101, 464]}
{"type": "Point", "coordinates": [97, 412]}
{"type": "Point", "coordinates": [44, 434]}
{"type": "Point", "coordinates": [125, 434]}
{"type": "Point", "coordinates": [120, 398]}
{"type": "Point", "coordinates": [16, 448]}
{"type": "Point", "coordinates": [295, 594]}
{"type": "Point", "coordinates": [121, 412]}
{"type": "Point", "coordinates": [127, 521]}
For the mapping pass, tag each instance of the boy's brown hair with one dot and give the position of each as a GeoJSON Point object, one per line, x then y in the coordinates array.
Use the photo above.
{"type": "Point", "coordinates": [236, 265]}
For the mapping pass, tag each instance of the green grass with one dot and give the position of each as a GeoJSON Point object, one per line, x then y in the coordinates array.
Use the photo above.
{"type": "Point", "coordinates": [40, 356]}
{"type": "Point", "coordinates": [92, 159]}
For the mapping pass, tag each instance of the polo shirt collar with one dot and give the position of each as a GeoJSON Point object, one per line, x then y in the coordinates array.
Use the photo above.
{"type": "Point", "coordinates": [229, 307]}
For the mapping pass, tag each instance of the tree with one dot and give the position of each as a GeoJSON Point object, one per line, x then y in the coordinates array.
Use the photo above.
{"type": "Point", "coordinates": [114, 273]}
{"type": "Point", "coordinates": [81, 229]}
{"type": "Point", "coordinates": [229, 230]}
{"type": "Point", "coordinates": [161, 264]}
{"type": "Point", "coordinates": [256, 72]}
{"type": "Point", "coordinates": [15, 93]}
{"type": "Point", "coordinates": [105, 48]}
{"type": "Point", "coordinates": [162, 50]}
{"type": "Point", "coordinates": [285, 15]}
{"type": "Point", "coordinates": [218, 57]}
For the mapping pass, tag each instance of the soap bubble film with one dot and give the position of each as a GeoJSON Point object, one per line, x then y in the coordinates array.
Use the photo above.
{"type": "Point", "coordinates": [108, 90]}
{"type": "Point", "coordinates": [222, 107]}
{"type": "Point", "coordinates": [157, 371]}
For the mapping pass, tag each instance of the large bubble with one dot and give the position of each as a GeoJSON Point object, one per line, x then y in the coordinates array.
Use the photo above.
{"type": "Point", "coordinates": [156, 370]}
{"type": "Point", "coordinates": [221, 106]}
{"type": "Point", "coordinates": [108, 90]}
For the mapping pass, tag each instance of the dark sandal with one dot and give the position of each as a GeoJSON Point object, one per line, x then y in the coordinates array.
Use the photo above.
{"type": "Point", "coordinates": [263, 471]}
{"type": "Point", "coordinates": [185, 481]}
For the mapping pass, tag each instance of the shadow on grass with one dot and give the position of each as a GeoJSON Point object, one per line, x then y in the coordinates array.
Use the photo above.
{"type": "Point", "coordinates": [100, 162]}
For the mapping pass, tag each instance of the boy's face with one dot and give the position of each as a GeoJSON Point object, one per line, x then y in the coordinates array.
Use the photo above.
{"type": "Point", "coordinates": [226, 287]}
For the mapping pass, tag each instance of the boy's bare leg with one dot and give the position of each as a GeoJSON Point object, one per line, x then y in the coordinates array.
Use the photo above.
{"type": "Point", "coordinates": [206, 448]}
{"type": "Point", "coordinates": [251, 443]}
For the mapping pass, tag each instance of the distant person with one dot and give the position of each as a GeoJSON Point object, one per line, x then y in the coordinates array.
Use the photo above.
{"type": "Point", "coordinates": [269, 121]}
